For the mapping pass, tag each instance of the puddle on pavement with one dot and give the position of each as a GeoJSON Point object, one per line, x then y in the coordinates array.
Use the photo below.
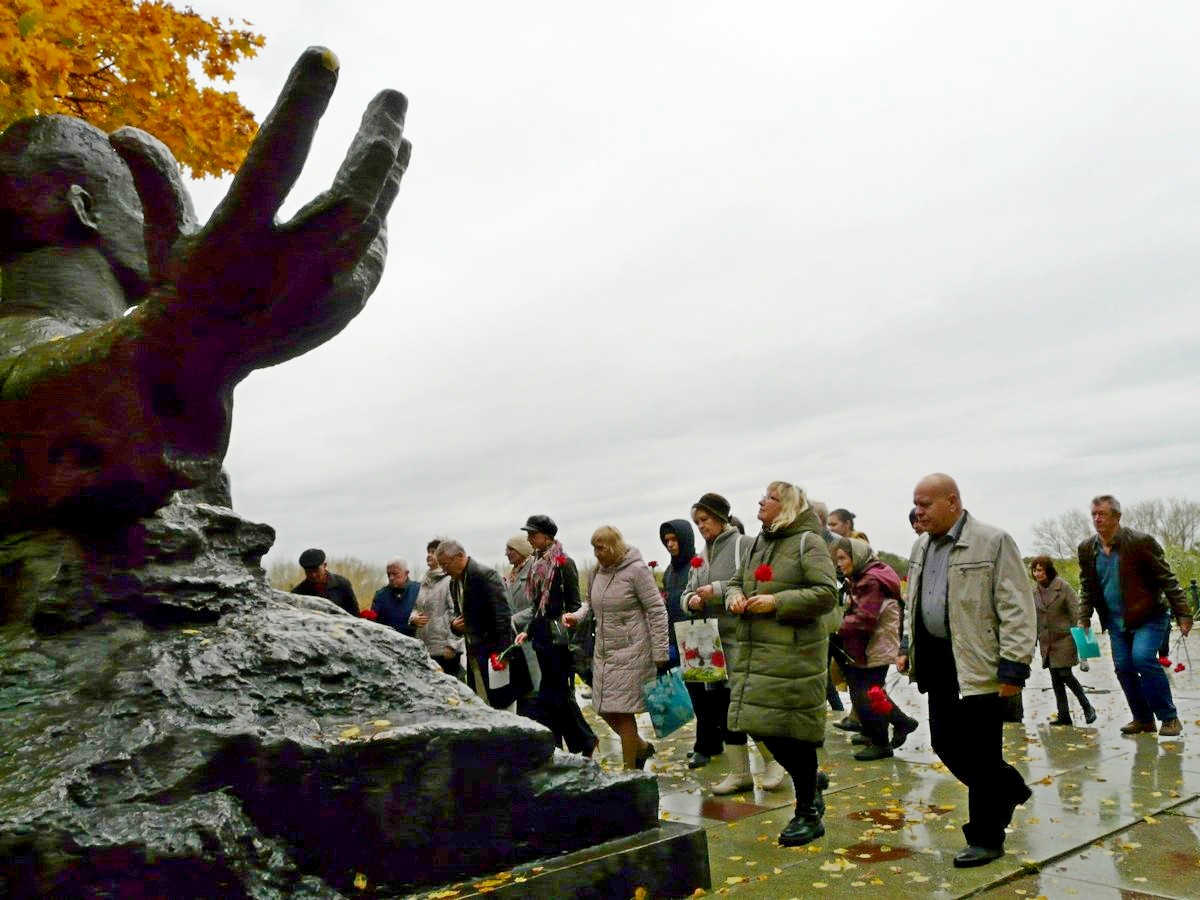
{"type": "Point", "coordinates": [872, 852]}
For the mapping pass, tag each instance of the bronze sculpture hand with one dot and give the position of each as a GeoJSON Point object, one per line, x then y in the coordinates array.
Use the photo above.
{"type": "Point", "coordinates": [105, 424]}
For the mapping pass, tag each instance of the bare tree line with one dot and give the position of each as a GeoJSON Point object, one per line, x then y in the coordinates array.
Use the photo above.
{"type": "Point", "coordinates": [1173, 521]}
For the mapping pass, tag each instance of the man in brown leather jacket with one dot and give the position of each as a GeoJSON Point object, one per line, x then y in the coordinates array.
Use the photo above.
{"type": "Point", "coordinates": [1124, 572]}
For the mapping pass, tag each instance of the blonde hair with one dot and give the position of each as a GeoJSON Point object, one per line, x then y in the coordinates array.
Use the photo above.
{"type": "Point", "coordinates": [610, 539]}
{"type": "Point", "coordinates": [792, 502]}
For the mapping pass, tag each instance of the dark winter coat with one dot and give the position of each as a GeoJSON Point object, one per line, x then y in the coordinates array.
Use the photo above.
{"type": "Point", "coordinates": [480, 598]}
{"type": "Point", "coordinates": [1145, 578]}
{"type": "Point", "coordinates": [394, 607]}
{"type": "Point", "coordinates": [1057, 610]}
{"type": "Point", "coordinates": [337, 590]}
{"type": "Point", "coordinates": [675, 576]}
{"type": "Point", "coordinates": [777, 675]}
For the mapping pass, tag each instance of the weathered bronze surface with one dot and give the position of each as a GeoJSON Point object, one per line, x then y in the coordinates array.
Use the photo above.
{"type": "Point", "coordinates": [169, 724]}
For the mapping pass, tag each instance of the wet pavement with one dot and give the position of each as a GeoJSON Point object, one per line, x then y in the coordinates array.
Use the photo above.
{"type": "Point", "coordinates": [1111, 815]}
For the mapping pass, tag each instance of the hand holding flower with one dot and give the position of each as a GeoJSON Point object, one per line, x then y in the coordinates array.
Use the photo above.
{"type": "Point", "coordinates": [761, 604]}
{"type": "Point", "coordinates": [520, 638]}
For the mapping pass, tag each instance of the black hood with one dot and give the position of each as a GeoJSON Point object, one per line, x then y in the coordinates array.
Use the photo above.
{"type": "Point", "coordinates": [682, 529]}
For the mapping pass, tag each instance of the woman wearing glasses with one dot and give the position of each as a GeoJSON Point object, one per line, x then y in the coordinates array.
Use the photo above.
{"type": "Point", "coordinates": [777, 686]}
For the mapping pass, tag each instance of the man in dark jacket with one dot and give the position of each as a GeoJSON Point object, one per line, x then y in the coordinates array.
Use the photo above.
{"type": "Point", "coordinates": [1123, 572]}
{"type": "Point", "coordinates": [320, 582]}
{"type": "Point", "coordinates": [393, 603]}
{"type": "Point", "coordinates": [552, 592]}
{"type": "Point", "coordinates": [483, 616]}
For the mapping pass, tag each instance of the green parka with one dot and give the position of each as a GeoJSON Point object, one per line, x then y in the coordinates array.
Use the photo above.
{"type": "Point", "coordinates": [777, 682]}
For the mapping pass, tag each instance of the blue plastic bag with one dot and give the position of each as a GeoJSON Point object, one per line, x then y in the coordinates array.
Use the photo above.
{"type": "Point", "coordinates": [1085, 642]}
{"type": "Point", "coordinates": [668, 703]}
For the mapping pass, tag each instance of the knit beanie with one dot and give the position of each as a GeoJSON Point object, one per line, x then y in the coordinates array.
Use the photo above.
{"type": "Point", "coordinates": [520, 543]}
{"type": "Point", "coordinates": [715, 504]}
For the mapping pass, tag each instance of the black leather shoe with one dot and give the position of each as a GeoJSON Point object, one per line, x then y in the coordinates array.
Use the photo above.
{"type": "Point", "coordinates": [697, 760]}
{"type": "Point", "coordinates": [822, 780]}
{"type": "Point", "coordinates": [874, 752]}
{"type": "Point", "coordinates": [861, 740]}
{"type": "Point", "coordinates": [805, 827]}
{"type": "Point", "coordinates": [977, 856]}
{"type": "Point", "coordinates": [644, 757]}
{"type": "Point", "coordinates": [901, 730]}
{"type": "Point", "coordinates": [848, 724]}
{"type": "Point", "coordinates": [1089, 715]}
{"type": "Point", "coordinates": [1061, 721]}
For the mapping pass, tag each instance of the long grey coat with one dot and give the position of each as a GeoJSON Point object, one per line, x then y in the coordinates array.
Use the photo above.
{"type": "Point", "coordinates": [1057, 610]}
{"type": "Point", "coordinates": [631, 633]}
{"type": "Point", "coordinates": [777, 680]}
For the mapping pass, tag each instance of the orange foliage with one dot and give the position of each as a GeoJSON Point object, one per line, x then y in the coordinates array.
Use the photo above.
{"type": "Point", "coordinates": [126, 62]}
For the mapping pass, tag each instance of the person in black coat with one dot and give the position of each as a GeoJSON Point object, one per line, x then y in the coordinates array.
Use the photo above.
{"type": "Point", "coordinates": [482, 615]}
{"type": "Point", "coordinates": [393, 603]}
{"type": "Point", "coordinates": [320, 582]}
{"type": "Point", "coordinates": [553, 590]}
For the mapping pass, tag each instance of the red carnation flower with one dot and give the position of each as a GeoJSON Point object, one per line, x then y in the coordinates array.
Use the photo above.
{"type": "Point", "coordinates": [497, 662]}
{"type": "Point", "coordinates": [763, 573]}
{"type": "Point", "coordinates": [878, 699]}
{"type": "Point", "coordinates": [1165, 662]}
{"type": "Point", "coordinates": [1180, 667]}
{"type": "Point", "coordinates": [691, 653]}
{"type": "Point", "coordinates": [560, 560]}
{"type": "Point", "coordinates": [369, 614]}
{"type": "Point", "coordinates": [718, 659]}
{"type": "Point", "coordinates": [697, 562]}
{"type": "Point", "coordinates": [653, 564]}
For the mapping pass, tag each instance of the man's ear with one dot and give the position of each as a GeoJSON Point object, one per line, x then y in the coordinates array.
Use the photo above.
{"type": "Point", "coordinates": [80, 202]}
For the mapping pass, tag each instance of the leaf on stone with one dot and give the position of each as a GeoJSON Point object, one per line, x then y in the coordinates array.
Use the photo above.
{"type": "Point", "coordinates": [381, 723]}
{"type": "Point", "coordinates": [1046, 780]}
{"type": "Point", "coordinates": [1150, 820]}
{"type": "Point", "coordinates": [453, 700]}
{"type": "Point", "coordinates": [360, 881]}
{"type": "Point", "coordinates": [189, 631]}
{"type": "Point", "coordinates": [352, 732]}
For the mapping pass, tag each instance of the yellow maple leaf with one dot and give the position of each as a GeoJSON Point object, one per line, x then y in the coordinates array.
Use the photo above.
{"type": "Point", "coordinates": [360, 881]}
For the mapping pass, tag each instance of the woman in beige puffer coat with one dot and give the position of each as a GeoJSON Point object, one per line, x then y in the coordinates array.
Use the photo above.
{"type": "Point", "coordinates": [631, 638]}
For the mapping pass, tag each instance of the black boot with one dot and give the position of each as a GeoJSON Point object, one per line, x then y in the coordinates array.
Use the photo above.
{"type": "Point", "coordinates": [1089, 712]}
{"type": "Point", "coordinates": [804, 828]}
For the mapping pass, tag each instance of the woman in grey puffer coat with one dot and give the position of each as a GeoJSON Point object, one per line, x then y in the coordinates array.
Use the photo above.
{"type": "Point", "coordinates": [631, 638]}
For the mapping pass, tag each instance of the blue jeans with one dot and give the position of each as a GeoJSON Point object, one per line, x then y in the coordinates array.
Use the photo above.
{"type": "Point", "coordinates": [1135, 657]}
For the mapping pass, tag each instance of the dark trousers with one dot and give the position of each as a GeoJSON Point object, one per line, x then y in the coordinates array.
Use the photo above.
{"type": "Point", "coordinates": [711, 703]}
{"type": "Point", "coordinates": [861, 680]}
{"type": "Point", "coordinates": [450, 666]}
{"type": "Point", "coordinates": [799, 759]}
{"type": "Point", "coordinates": [968, 737]}
{"type": "Point", "coordinates": [1060, 680]}
{"type": "Point", "coordinates": [555, 706]}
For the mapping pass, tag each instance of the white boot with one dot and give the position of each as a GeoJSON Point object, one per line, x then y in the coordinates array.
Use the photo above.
{"type": "Point", "coordinates": [774, 774]}
{"type": "Point", "coordinates": [739, 778]}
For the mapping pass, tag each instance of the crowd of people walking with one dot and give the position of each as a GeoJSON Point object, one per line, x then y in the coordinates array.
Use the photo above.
{"type": "Point", "coordinates": [804, 598]}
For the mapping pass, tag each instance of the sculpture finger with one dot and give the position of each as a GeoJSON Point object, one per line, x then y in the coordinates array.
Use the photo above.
{"type": "Point", "coordinates": [382, 123]}
{"type": "Point", "coordinates": [166, 204]}
{"type": "Point", "coordinates": [279, 150]}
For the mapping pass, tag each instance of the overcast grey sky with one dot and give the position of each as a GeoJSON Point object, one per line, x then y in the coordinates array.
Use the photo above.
{"type": "Point", "coordinates": [648, 250]}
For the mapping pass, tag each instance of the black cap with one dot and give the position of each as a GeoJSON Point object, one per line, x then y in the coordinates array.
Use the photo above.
{"type": "Point", "coordinates": [312, 558]}
{"type": "Point", "coordinates": [541, 524]}
{"type": "Point", "coordinates": [715, 504]}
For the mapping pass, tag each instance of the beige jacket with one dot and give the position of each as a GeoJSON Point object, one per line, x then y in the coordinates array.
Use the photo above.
{"type": "Point", "coordinates": [993, 621]}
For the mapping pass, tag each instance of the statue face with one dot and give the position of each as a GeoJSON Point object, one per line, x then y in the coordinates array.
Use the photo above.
{"type": "Point", "coordinates": [63, 185]}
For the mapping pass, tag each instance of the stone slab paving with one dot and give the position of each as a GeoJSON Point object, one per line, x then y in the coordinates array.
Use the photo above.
{"type": "Point", "coordinates": [1110, 816]}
